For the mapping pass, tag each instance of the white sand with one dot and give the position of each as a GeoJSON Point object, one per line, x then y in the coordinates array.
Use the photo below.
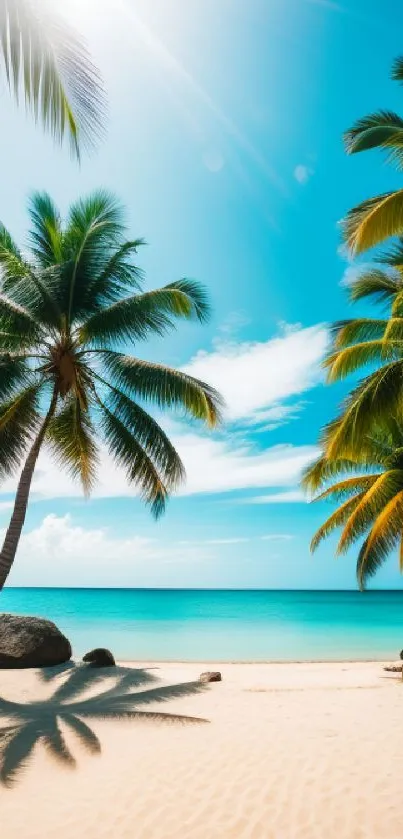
{"type": "Point", "coordinates": [291, 752]}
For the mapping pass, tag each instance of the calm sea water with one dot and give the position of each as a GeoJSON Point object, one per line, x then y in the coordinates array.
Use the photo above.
{"type": "Point", "coordinates": [221, 625]}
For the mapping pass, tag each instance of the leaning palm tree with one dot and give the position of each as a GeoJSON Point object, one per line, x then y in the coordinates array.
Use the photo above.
{"type": "Point", "coordinates": [369, 486]}
{"type": "Point", "coordinates": [47, 64]}
{"type": "Point", "coordinates": [374, 343]}
{"type": "Point", "coordinates": [66, 309]}
{"type": "Point", "coordinates": [376, 219]}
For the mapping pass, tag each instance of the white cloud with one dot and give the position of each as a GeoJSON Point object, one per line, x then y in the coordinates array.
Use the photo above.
{"type": "Point", "coordinates": [283, 537]}
{"type": "Point", "coordinates": [302, 173]}
{"type": "Point", "coordinates": [257, 380]}
{"type": "Point", "coordinates": [212, 465]}
{"type": "Point", "coordinates": [239, 541]}
{"type": "Point", "coordinates": [288, 496]}
{"type": "Point", "coordinates": [58, 550]}
{"type": "Point", "coordinates": [257, 377]}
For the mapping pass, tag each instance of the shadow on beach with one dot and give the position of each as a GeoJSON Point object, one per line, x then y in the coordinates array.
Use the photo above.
{"type": "Point", "coordinates": [114, 693]}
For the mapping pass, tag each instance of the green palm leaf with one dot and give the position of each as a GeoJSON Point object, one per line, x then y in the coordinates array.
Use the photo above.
{"type": "Point", "coordinates": [376, 497]}
{"type": "Point", "coordinates": [46, 60]}
{"type": "Point", "coordinates": [135, 317]}
{"type": "Point", "coordinates": [139, 467]}
{"type": "Point", "coordinates": [165, 387]}
{"type": "Point", "coordinates": [338, 518]}
{"type": "Point", "coordinates": [346, 332]}
{"type": "Point", "coordinates": [71, 435]}
{"type": "Point", "coordinates": [344, 362]}
{"type": "Point", "coordinates": [19, 419]}
{"type": "Point", "coordinates": [383, 129]}
{"type": "Point", "coordinates": [148, 432]}
{"type": "Point", "coordinates": [382, 539]}
{"type": "Point", "coordinates": [374, 220]}
{"type": "Point", "coordinates": [378, 284]}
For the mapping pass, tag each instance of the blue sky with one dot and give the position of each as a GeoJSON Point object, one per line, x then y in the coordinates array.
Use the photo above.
{"type": "Point", "coordinates": [224, 142]}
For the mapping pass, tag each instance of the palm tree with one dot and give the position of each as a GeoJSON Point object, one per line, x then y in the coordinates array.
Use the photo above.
{"type": "Point", "coordinates": [376, 219]}
{"type": "Point", "coordinates": [369, 486]}
{"type": "Point", "coordinates": [65, 311]}
{"type": "Point", "coordinates": [373, 342]}
{"type": "Point", "coordinates": [47, 62]}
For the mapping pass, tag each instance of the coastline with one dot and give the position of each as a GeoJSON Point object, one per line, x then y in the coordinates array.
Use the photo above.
{"type": "Point", "coordinates": [289, 751]}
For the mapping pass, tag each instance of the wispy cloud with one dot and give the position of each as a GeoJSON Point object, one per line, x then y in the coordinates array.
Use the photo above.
{"type": "Point", "coordinates": [272, 537]}
{"type": "Point", "coordinates": [285, 497]}
{"type": "Point", "coordinates": [302, 173]}
{"type": "Point", "coordinates": [92, 554]}
{"type": "Point", "coordinates": [256, 378]}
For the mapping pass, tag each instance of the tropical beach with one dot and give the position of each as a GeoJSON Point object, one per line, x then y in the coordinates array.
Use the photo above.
{"type": "Point", "coordinates": [291, 751]}
{"type": "Point", "coordinates": [201, 409]}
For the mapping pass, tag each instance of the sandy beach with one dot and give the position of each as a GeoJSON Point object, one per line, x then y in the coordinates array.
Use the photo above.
{"type": "Point", "coordinates": [290, 751]}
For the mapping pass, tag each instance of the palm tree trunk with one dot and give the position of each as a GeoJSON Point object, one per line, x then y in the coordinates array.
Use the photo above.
{"type": "Point", "coordinates": [13, 533]}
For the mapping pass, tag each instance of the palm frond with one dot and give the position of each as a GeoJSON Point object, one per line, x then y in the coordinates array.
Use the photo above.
{"type": "Point", "coordinates": [322, 470]}
{"type": "Point", "coordinates": [382, 129]}
{"type": "Point", "coordinates": [135, 317]}
{"type": "Point", "coordinates": [344, 362]}
{"type": "Point", "coordinates": [139, 467]}
{"type": "Point", "coordinates": [382, 490]}
{"type": "Point", "coordinates": [117, 276]}
{"type": "Point", "coordinates": [376, 397]}
{"type": "Point", "coordinates": [148, 433]}
{"type": "Point", "coordinates": [382, 539]}
{"type": "Point", "coordinates": [348, 487]}
{"type": "Point", "coordinates": [95, 226]}
{"type": "Point", "coordinates": [338, 518]}
{"type": "Point", "coordinates": [72, 439]}
{"type": "Point", "coordinates": [45, 236]}
{"type": "Point", "coordinates": [397, 69]}
{"type": "Point", "coordinates": [346, 332]}
{"type": "Point", "coordinates": [166, 387]}
{"type": "Point", "coordinates": [45, 59]}
{"type": "Point", "coordinates": [15, 319]}
{"type": "Point", "coordinates": [373, 221]}
{"type": "Point", "coordinates": [14, 372]}
{"type": "Point", "coordinates": [19, 418]}
{"type": "Point", "coordinates": [378, 284]}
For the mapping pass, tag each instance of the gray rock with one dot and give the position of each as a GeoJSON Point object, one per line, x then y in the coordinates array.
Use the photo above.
{"type": "Point", "coordinates": [31, 642]}
{"type": "Point", "coordinates": [100, 658]}
{"type": "Point", "coordinates": [209, 676]}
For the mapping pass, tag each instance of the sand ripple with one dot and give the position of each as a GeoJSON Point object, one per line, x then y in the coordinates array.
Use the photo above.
{"type": "Point", "coordinates": [276, 762]}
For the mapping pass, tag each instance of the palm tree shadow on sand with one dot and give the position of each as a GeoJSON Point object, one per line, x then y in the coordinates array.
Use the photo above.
{"type": "Point", "coordinates": [118, 693]}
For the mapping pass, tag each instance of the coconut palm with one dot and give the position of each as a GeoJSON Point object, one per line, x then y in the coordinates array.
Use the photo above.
{"type": "Point", "coordinates": [28, 723]}
{"type": "Point", "coordinates": [47, 64]}
{"type": "Point", "coordinates": [376, 343]}
{"type": "Point", "coordinates": [66, 310]}
{"type": "Point", "coordinates": [376, 219]}
{"type": "Point", "coordinates": [369, 486]}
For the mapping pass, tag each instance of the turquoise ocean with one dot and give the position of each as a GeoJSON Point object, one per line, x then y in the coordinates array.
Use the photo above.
{"type": "Point", "coordinates": [167, 624]}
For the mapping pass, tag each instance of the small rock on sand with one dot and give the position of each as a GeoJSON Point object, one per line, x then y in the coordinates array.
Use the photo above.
{"type": "Point", "coordinates": [395, 667]}
{"type": "Point", "coordinates": [210, 677]}
{"type": "Point", "coordinates": [100, 658]}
